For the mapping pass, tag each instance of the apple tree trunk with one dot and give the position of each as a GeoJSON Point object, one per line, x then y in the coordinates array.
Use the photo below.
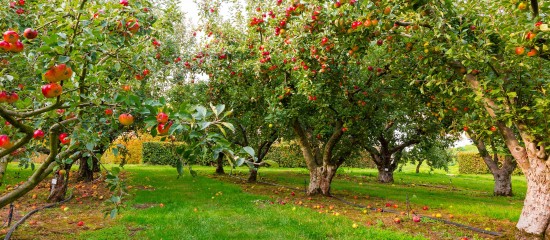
{"type": "Point", "coordinates": [320, 179]}
{"type": "Point", "coordinates": [85, 171]}
{"type": "Point", "coordinates": [418, 166]}
{"type": "Point", "coordinates": [59, 189]}
{"type": "Point", "coordinates": [534, 222]}
{"type": "Point", "coordinates": [385, 176]}
{"type": "Point", "coordinates": [503, 183]}
{"type": "Point", "coordinates": [219, 164]}
{"type": "Point", "coordinates": [253, 176]}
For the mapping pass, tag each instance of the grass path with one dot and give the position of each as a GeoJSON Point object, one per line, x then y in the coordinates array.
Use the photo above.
{"type": "Point", "coordinates": [204, 208]}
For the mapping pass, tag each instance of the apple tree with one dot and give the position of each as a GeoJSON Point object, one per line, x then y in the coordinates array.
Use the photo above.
{"type": "Point", "coordinates": [81, 79]}
{"type": "Point", "coordinates": [496, 55]}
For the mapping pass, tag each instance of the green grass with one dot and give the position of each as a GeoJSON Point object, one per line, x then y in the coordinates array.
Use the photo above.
{"type": "Point", "coordinates": [459, 193]}
{"type": "Point", "coordinates": [233, 215]}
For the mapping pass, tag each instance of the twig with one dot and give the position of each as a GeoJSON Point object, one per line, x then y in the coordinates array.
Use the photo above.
{"type": "Point", "coordinates": [22, 220]}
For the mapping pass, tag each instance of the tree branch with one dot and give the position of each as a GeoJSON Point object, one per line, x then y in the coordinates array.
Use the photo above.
{"type": "Point", "coordinates": [332, 141]}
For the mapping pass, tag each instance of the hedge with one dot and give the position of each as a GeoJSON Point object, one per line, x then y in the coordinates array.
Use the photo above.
{"type": "Point", "coordinates": [158, 153]}
{"type": "Point", "coordinates": [288, 154]}
{"type": "Point", "coordinates": [134, 145]}
{"type": "Point", "coordinates": [472, 163]}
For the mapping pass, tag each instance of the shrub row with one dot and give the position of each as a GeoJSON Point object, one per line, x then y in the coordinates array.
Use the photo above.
{"type": "Point", "coordinates": [472, 163]}
{"type": "Point", "coordinates": [288, 154]}
{"type": "Point", "coordinates": [133, 144]}
{"type": "Point", "coordinates": [158, 153]}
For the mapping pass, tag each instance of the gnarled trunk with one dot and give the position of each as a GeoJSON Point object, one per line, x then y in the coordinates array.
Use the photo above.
{"type": "Point", "coordinates": [219, 164]}
{"type": "Point", "coordinates": [320, 179]}
{"type": "Point", "coordinates": [534, 222]}
{"type": "Point", "coordinates": [385, 176]}
{"type": "Point", "coordinates": [503, 183]}
{"type": "Point", "coordinates": [253, 177]}
{"type": "Point", "coordinates": [386, 165]}
{"type": "Point", "coordinates": [85, 171]}
{"type": "Point", "coordinates": [320, 161]}
{"type": "Point", "coordinates": [503, 174]}
{"type": "Point", "coordinates": [59, 189]}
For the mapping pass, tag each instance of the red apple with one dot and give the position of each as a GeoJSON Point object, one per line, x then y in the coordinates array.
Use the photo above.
{"type": "Point", "coordinates": [108, 112]}
{"type": "Point", "coordinates": [416, 219]}
{"type": "Point", "coordinates": [532, 53]}
{"type": "Point", "coordinates": [17, 47]}
{"type": "Point", "coordinates": [11, 36]}
{"type": "Point", "coordinates": [13, 97]}
{"type": "Point", "coordinates": [81, 223]}
{"type": "Point", "coordinates": [124, 2]}
{"type": "Point", "coordinates": [5, 141]}
{"type": "Point", "coordinates": [3, 96]}
{"type": "Point", "coordinates": [397, 220]}
{"type": "Point", "coordinates": [126, 119]}
{"type": "Point", "coordinates": [58, 73]}
{"type": "Point", "coordinates": [425, 208]}
{"type": "Point", "coordinates": [126, 88]}
{"type": "Point", "coordinates": [5, 46]}
{"type": "Point", "coordinates": [493, 128]}
{"type": "Point", "coordinates": [132, 25]}
{"type": "Point", "coordinates": [52, 90]}
{"type": "Point", "coordinates": [465, 128]}
{"type": "Point", "coordinates": [38, 134]}
{"type": "Point", "coordinates": [63, 72]}
{"type": "Point", "coordinates": [520, 50]}
{"type": "Point", "coordinates": [29, 33]}
{"type": "Point", "coordinates": [146, 72]}
{"type": "Point", "coordinates": [162, 117]}
{"type": "Point", "coordinates": [530, 36]}
{"type": "Point", "coordinates": [64, 138]}
{"type": "Point", "coordinates": [163, 129]}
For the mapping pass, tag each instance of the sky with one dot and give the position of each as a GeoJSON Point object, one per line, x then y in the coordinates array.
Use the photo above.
{"type": "Point", "coordinates": [191, 10]}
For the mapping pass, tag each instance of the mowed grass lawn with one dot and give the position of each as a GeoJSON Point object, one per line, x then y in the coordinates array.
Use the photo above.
{"type": "Point", "coordinates": [208, 208]}
{"type": "Point", "coordinates": [192, 210]}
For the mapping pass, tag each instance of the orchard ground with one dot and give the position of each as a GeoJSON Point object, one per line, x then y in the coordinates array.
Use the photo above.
{"type": "Point", "coordinates": [160, 206]}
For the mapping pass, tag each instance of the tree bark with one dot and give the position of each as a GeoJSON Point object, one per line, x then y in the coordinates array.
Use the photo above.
{"type": "Point", "coordinates": [503, 174]}
{"type": "Point", "coordinates": [320, 179]}
{"type": "Point", "coordinates": [534, 222]}
{"type": "Point", "coordinates": [386, 165]}
{"type": "Point", "coordinates": [219, 165]}
{"type": "Point", "coordinates": [385, 176]}
{"type": "Point", "coordinates": [3, 167]}
{"type": "Point", "coordinates": [321, 163]}
{"type": "Point", "coordinates": [85, 172]}
{"type": "Point", "coordinates": [418, 166]}
{"type": "Point", "coordinates": [503, 183]}
{"type": "Point", "coordinates": [60, 187]}
{"type": "Point", "coordinates": [253, 177]}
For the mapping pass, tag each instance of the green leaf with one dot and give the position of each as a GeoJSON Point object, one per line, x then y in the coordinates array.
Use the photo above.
{"type": "Point", "coordinates": [229, 126]}
{"type": "Point", "coordinates": [249, 150]}
{"type": "Point", "coordinates": [90, 146]}
{"type": "Point", "coordinates": [271, 163]}
{"type": "Point", "coordinates": [240, 161]}
{"type": "Point", "coordinates": [63, 59]}
{"type": "Point", "coordinates": [114, 213]}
